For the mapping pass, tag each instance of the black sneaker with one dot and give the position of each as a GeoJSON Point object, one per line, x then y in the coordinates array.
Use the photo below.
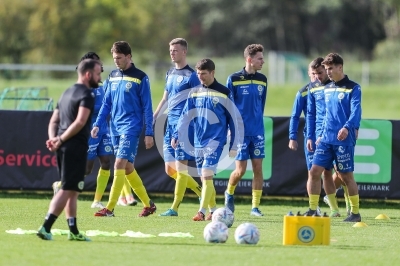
{"type": "Point", "coordinates": [310, 213]}
{"type": "Point", "coordinates": [353, 218]}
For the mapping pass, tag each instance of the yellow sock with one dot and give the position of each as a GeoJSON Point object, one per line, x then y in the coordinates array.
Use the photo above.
{"type": "Point", "coordinates": [118, 183]}
{"type": "Point", "coordinates": [174, 175]}
{"type": "Point", "coordinates": [354, 203]}
{"type": "Point", "coordinates": [137, 186]}
{"type": "Point", "coordinates": [231, 189]}
{"type": "Point", "coordinates": [206, 193]}
{"type": "Point", "coordinates": [180, 189]}
{"type": "Point", "coordinates": [256, 198]}
{"type": "Point", "coordinates": [333, 202]}
{"type": "Point", "coordinates": [313, 201]}
{"type": "Point", "coordinates": [212, 205]}
{"type": "Point", "coordinates": [194, 186]}
{"type": "Point", "coordinates": [102, 181]}
{"type": "Point", "coordinates": [126, 190]}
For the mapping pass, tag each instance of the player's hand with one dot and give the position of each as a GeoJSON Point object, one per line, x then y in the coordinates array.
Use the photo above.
{"type": "Point", "coordinates": [293, 144]}
{"type": "Point", "coordinates": [174, 143]}
{"type": "Point", "coordinates": [342, 135]}
{"type": "Point", "coordinates": [356, 134]}
{"type": "Point", "coordinates": [148, 142]}
{"type": "Point", "coordinates": [53, 144]}
{"type": "Point", "coordinates": [309, 145]}
{"type": "Point", "coordinates": [232, 153]}
{"type": "Point", "coordinates": [318, 141]}
{"type": "Point", "coordinates": [94, 132]}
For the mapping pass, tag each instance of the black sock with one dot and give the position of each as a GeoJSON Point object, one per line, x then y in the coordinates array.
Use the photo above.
{"type": "Point", "coordinates": [49, 221]}
{"type": "Point", "coordinates": [72, 225]}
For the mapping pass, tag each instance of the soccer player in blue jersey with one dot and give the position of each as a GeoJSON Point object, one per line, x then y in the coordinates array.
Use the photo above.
{"type": "Point", "coordinates": [211, 108]}
{"type": "Point", "coordinates": [315, 117]}
{"type": "Point", "coordinates": [128, 100]}
{"type": "Point", "coordinates": [337, 139]}
{"type": "Point", "coordinates": [299, 107]}
{"type": "Point", "coordinates": [178, 82]}
{"type": "Point", "coordinates": [249, 90]}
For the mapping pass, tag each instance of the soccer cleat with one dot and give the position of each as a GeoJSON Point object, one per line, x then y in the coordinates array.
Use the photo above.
{"type": "Point", "coordinates": [353, 218]}
{"type": "Point", "coordinates": [131, 201]}
{"type": "Point", "coordinates": [43, 234]}
{"type": "Point", "coordinates": [148, 210]}
{"type": "Point", "coordinates": [169, 212]}
{"type": "Point", "coordinates": [97, 205]}
{"type": "Point", "coordinates": [199, 217]}
{"type": "Point", "coordinates": [104, 213]}
{"type": "Point", "coordinates": [56, 186]}
{"type": "Point", "coordinates": [256, 212]}
{"type": "Point", "coordinates": [78, 237]}
{"type": "Point", "coordinates": [209, 216]}
{"type": "Point", "coordinates": [122, 202]}
{"type": "Point", "coordinates": [318, 211]}
{"type": "Point", "coordinates": [310, 213]}
{"type": "Point", "coordinates": [334, 214]}
{"type": "Point", "coordinates": [229, 201]}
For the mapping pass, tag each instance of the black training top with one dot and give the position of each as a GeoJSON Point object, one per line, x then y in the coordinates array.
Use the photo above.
{"type": "Point", "coordinates": [68, 106]}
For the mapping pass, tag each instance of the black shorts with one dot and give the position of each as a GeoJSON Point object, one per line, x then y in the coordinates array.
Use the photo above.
{"type": "Point", "coordinates": [71, 160]}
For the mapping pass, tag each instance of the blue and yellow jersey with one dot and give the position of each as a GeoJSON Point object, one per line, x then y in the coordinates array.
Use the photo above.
{"type": "Point", "coordinates": [299, 106]}
{"type": "Point", "coordinates": [212, 111]}
{"type": "Point", "coordinates": [249, 93]}
{"type": "Point", "coordinates": [98, 100]}
{"type": "Point", "coordinates": [343, 110]}
{"type": "Point", "coordinates": [128, 99]}
{"type": "Point", "coordinates": [315, 109]}
{"type": "Point", "coordinates": [178, 83]}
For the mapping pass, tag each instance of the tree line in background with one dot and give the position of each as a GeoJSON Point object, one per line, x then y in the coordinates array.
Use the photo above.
{"type": "Point", "coordinates": [59, 31]}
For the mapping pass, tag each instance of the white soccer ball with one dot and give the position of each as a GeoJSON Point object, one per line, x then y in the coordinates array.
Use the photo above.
{"type": "Point", "coordinates": [247, 233]}
{"type": "Point", "coordinates": [216, 232]}
{"type": "Point", "coordinates": [224, 215]}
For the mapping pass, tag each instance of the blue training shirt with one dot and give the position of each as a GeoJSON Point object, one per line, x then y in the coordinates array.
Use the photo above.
{"type": "Point", "coordinates": [128, 99]}
{"type": "Point", "coordinates": [343, 110]}
{"type": "Point", "coordinates": [315, 109]}
{"type": "Point", "coordinates": [212, 110]}
{"type": "Point", "coordinates": [98, 100]}
{"type": "Point", "coordinates": [249, 93]}
{"type": "Point", "coordinates": [299, 106]}
{"type": "Point", "coordinates": [178, 83]}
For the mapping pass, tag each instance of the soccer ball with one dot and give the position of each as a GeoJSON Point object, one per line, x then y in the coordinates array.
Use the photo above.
{"type": "Point", "coordinates": [216, 232]}
{"type": "Point", "coordinates": [224, 215]}
{"type": "Point", "coordinates": [247, 233]}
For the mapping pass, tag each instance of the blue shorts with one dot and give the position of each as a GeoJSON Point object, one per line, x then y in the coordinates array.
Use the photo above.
{"type": "Point", "coordinates": [309, 154]}
{"type": "Point", "coordinates": [99, 146]}
{"type": "Point", "coordinates": [184, 151]}
{"type": "Point", "coordinates": [125, 147]}
{"type": "Point", "coordinates": [343, 156]}
{"type": "Point", "coordinates": [207, 158]}
{"type": "Point", "coordinates": [251, 148]}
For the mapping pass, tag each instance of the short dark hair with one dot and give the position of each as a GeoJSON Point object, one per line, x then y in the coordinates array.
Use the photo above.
{"type": "Point", "coordinates": [180, 41]}
{"type": "Point", "coordinates": [316, 63]}
{"type": "Point", "coordinates": [121, 47]}
{"type": "Point", "coordinates": [90, 55]}
{"type": "Point", "coordinates": [252, 49]}
{"type": "Point", "coordinates": [333, 59]}
{"type": "Point", "coordinates": [87, 65]}
{"type": "Point", "coordinates": [205, 64]}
